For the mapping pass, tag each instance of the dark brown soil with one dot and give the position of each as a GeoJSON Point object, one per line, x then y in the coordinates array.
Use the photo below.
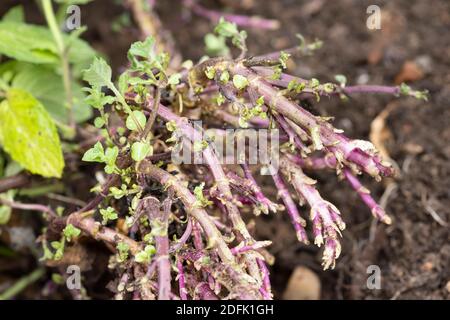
{"type": "Point", "coordinates": [414, 252]}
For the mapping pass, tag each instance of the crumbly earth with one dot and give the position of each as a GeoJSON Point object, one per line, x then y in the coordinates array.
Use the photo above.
{"type": "Point", "coordinates": [413, 254]}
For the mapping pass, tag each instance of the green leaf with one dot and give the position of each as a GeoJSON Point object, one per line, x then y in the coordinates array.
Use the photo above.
{"type": "Point", "coordinates": [15, 14]}
{"type": "Point", "coordinates": [28, 134]}
{"type": "Point", "coordinates": [35, 44]}
{"type": "Point", "coordinates": [216, 45]}
{"type": "Point", "coordinates": [140, 150]}
{"type": "Point", "coordinates": [97, 99]}
{"type": "Point", "coordinates": [226, 28]}
{"type": "Point", "coordinates": [27, 43]}
{"type": "Point", "coordinates": [284, 57]}
{"type": "Point", "coordinates": [145, 256]}
{"type": "Point", "coordinates": [5, 214]}
{"type": "Point", "coordinates": [341, 79]}
{"type": "Point", "coordinates": [174, 79]}
{"type": "Point", "coordinates": [123, 82]}
{"type": "Point", "coordinates": [95, 154]}
{"type": "Point", "coordinates": [99, 122]}
{"type": "Point", "coordinates": [229, 30]}
{"type": "Point", "coordinates": [144, 57]}
{"type": "Point", "coordinates": [59, 247]}
{"type": "Point", "coordinates": [5, 211]}
{"type": "Point", "coordinates": [47, 86]}
{"type": "Point", "coordinates": [122, 249]}
{"type": "Point", "coordinates": [143, 49]}
{"type": "Point", "coordinates": [210, 72]}
{"type": "Point", "coordinates": [225, 76]}
{"type": "Point", "coordinates": [110, 159]}
{"type": "Point", "coordinates": [141, 120]}
{"type": "Point", "coordinates": [201, 201]}
{"type": "Point", "coordinates": [240, 82]}
{"type": "Point", "coordinates": [71, 232]}
{"type": "Point", "coordinates": [99, 74]}
{"type": "Point", "coordinates": [108, 214]}
{"type": "Point", "coordinates": [220, 99]}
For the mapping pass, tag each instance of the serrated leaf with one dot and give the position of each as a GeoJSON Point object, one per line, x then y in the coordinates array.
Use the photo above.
{"type": "Point", "coordinates": [143, 49]}
{"type": "Point", "coordinates": [35, 44]}
{"type": "Point", "coordinates": [71, 232]}
{"type": "Point", "coordinates": [95, 154]}
{"type": "Point", "coordinates": [28, 134]}
{"type": "Point", "coordinates": [226, 28]}
{"type": "Point", "coordinates": [47, 86]}
{"type": "Point", "coordinates": [97, 99]}
{"type": "Point", "coordinates": [99, 74]}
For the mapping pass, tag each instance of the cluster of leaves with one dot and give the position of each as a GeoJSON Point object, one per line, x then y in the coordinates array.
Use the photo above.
{"type": "Point", "coordinates": [216, 43]}
{"type": "Point", "coordinates": [32, 112]}
{"type": "Point", "coordinates": [33, 99]}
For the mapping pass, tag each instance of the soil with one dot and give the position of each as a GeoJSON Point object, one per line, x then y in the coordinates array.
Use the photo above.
{"type": "Point", "coordinates": [413, 253]}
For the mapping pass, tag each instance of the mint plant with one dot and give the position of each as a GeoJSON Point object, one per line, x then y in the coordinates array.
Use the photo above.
{"type": "Point", "coordinates": [178, 230]}
{"type": "Point", "coordinates": [41, 97]}
{"type": "Point", "coordinates": [216, 255]}
{"type": "Point", "coordinates": [31, 79]}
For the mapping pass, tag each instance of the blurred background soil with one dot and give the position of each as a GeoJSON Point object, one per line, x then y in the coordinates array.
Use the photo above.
{"type": "Point", "coordinates": [413, 46]}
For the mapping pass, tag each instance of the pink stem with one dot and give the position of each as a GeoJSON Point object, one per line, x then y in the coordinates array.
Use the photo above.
{"type": "Point", "coordinates": [329, 161]}
{"type": "Point", "coordinates": [181, 280]}
{"type": "Point", "coordinates": [298, 222]}
{"type": "Point", "coordinates": [255, 246]}
{"type": "Point", "coordinates": [266, 289]}
{"type": "Point", "coordinates": [187, 233]}
{"type": "Point", "coordinates": [257, 190]}
{"type": "Point", "coordinates": [321, 131]}
{"type": "Point", "coordinates": [159, 221]}
{"type": "Point", "coordinates": [28, 206]}
{"type": "Point", "coordinates": [240, 20]}
{"type": "Point", "coordinates": [377, 211]}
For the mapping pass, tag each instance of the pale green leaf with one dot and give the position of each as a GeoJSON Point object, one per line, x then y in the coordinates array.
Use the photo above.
{"type": "Point", "coordinates": [71, 232]}
{"type": "Point", "coordinates": [5, 211]}
{"type": "Point", "coordinates": [28, 134]}
{"type": "Point", "coordinates": [216, 45]}
{"type": "Point", "coordinates": [139, 117]}
{"type": "Point", "coordinates": [35, 44]}
{"type": "Point", "coordinates": [174, 79]}
{"type": "Point", "coordinates": [5, 214]}
{"type": "Point", "coordinates": [99, 74]}
{"type": "Point", "coordinates": [95, 154]}
{"type": "Point", "coordinates": [226, 28]}
{"type": "Point", "coordinates": [47, 86]}
{"type": "Point", "coordinates": [140, 150]}
{"type": "Point", "coordinates": [240, 82]}
{"type": "Point", "coordinates": [15, 14]}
